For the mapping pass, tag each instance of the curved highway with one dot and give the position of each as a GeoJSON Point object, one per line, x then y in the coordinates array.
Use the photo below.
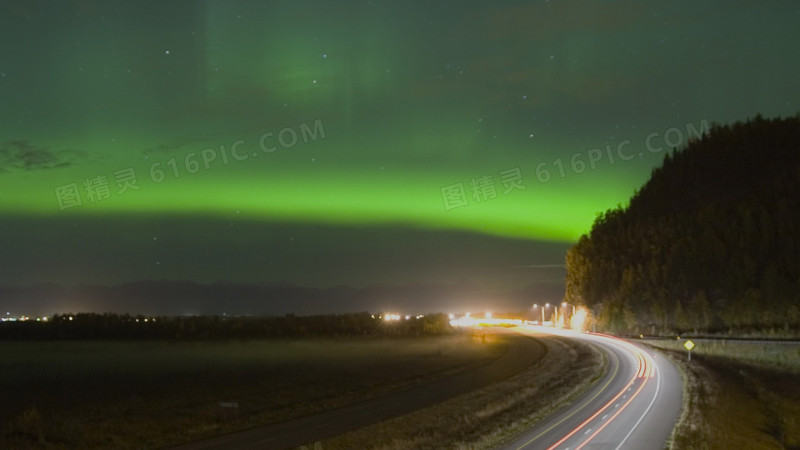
{"type": "Point", "coordinates": [633, 406]}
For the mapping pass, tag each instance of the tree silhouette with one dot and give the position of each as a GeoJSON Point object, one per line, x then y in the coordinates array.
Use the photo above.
{"type": "Point", "coordinates": [710, 243]}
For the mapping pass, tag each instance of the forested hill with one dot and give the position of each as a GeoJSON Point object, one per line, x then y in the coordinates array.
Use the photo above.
{"type": "Point", "coordinates": [710, 243]}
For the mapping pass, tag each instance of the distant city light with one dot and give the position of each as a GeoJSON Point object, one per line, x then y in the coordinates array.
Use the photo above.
{"type": "Point", "coordinates": [468, 321]}
{"type": "Point", "coordinates": [9, 318]}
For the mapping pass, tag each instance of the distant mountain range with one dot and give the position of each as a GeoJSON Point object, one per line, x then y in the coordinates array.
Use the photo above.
{"type": "Point", "coordinates": [163, 297]}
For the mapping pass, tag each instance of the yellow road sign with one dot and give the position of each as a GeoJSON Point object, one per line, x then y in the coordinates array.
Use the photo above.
{"type": "Point", "coordinates": [689, 345]}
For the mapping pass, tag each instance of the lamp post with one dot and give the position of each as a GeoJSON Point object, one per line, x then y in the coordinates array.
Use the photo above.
{"type": "Point", "coordinates": [536, 305]}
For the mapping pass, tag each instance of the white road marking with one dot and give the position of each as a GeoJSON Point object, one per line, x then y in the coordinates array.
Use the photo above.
{"type": "Point", "coordinates": [658, 387]}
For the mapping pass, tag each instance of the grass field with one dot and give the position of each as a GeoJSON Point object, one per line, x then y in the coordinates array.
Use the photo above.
{"type": "Point", "coordinates": [486, 417]}
{"type": "Point", "coordinates": [126, 394]}
{"type": "Point", "coordinates": [738, 395]}
{"type": "Point", "coordinates": [784, 356]}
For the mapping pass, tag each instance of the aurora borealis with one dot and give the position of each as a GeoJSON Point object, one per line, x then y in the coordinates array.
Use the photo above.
{"type": "Point", "coordinates": [317, 142]}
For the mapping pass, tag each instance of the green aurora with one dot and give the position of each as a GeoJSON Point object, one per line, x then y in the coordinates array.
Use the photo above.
{"type": "Point", "coordinates": [356, 116]}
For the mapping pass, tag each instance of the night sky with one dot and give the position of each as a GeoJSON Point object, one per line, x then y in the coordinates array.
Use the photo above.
{"type": "Point", "coordinates": [354, 142]}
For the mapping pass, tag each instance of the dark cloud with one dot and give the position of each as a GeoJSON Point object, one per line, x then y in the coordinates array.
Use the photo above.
{"type": "Point", "coordinates": [24, 155]}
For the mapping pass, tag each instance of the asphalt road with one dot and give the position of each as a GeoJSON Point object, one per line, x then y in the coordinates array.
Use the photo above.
{"type": "Point", "coordinates": [522, 351]}
{"type": "Point", "coordinates": [633, 406]}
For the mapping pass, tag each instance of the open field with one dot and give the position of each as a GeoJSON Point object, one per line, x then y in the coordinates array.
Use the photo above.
{"type": "Point", "coordinates": [128, 394]}
{"type": "Point", "coordinates": [486, 417]}
{"type": "Point", "coordinates": [776, 355]}
{"type": "Point", "coordinates": [738, 395]}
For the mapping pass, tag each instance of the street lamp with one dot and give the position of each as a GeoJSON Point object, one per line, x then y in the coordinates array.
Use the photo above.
{"type": "Point", "coordinates": [536, 305]}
